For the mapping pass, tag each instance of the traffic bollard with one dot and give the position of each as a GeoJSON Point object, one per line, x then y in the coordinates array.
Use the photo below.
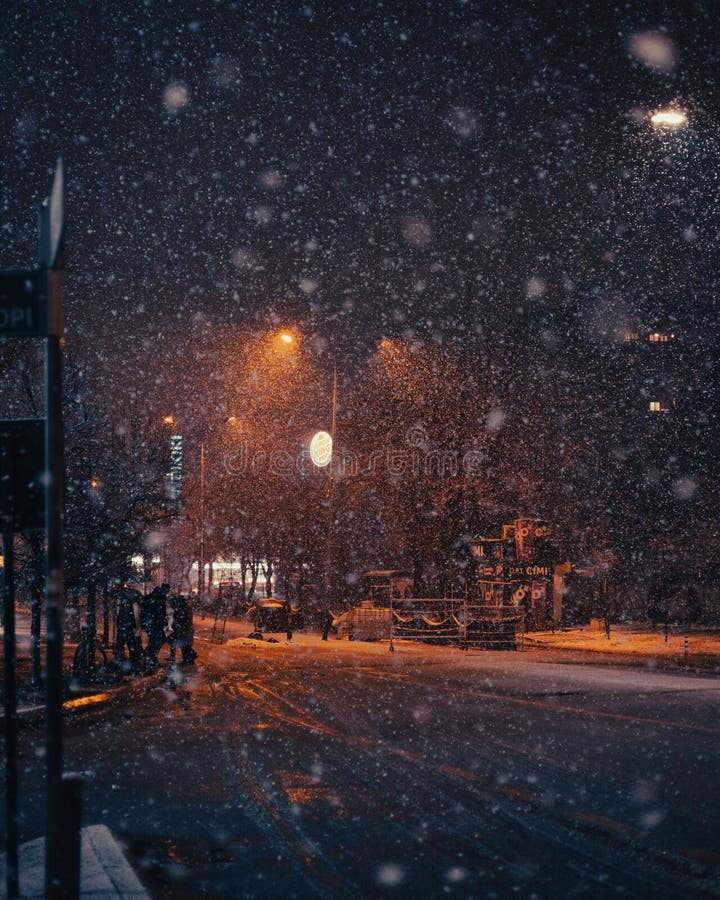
{"type": "Point", "coordinates": [72, 836]}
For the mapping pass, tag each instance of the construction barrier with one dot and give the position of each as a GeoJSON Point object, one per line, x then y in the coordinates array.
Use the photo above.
{"type": "Point", "coordinates": [450, 621]}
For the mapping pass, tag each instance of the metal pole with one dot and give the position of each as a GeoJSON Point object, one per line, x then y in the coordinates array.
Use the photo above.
{"type": "Point", "coordinates": [72, 785]}
{"type": "Point", "coordinates": [334, 406]}
{"type": "Point", "coordinates": [465, 620]}
{"type": "Point", "coordinates": [11, 761]}
{"type": "Point", "coordinates": [37, 544]}
{"type": "Point", "coordinates": [55, 579]}
{"type": "Point", "coordinates": [54, 610]}
{"type": "Point", "coordinates": [392, 622]}
{"type": "Point", "coordinates": [201, 567]}
{"type": "Point", "coordinates": [330, 487]}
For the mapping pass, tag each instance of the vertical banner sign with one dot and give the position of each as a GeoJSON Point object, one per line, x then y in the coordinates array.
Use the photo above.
{"type": "Point", "coordinates": [176, 459]}
{"type": "Point", "coordinates": [22, 465]}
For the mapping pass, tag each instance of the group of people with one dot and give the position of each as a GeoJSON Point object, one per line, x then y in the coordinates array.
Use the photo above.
{"type": "Point", "coordinates": [163, 618]}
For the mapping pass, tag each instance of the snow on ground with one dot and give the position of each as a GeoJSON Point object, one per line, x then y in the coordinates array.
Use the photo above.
{"type": "Point", "coordinates": [624, 640]}
{"type": "Point", "coordinates": [544, 668]}
{"type": "Point", "coordinates": [629, 639]}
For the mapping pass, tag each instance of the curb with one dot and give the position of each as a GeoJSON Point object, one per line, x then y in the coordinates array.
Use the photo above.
{"type": "Point", "coordinates": [104, 870]}
{"type": "Point", "coordinates": [627, 660]}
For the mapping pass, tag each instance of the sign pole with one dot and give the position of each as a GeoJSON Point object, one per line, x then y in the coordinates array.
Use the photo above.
{"type": "Point", "coordinates": [11, 762]}
{"type": "Point", "coordinates": [21, 469]}
{"type": "Point", "coordinates": [391, 646]}
{"type": "Point", "coordinates": [50, 259]}
{"type": "Point", "coordinates": [31, 306]}
{"type": "Point", "coordinates": [201, 561]}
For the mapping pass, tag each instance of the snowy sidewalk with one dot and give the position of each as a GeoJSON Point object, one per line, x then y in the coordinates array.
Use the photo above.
{"type": "Point", "coordinates": [639, 641]}
{"type": "Point", "coordinates": [104, 871]}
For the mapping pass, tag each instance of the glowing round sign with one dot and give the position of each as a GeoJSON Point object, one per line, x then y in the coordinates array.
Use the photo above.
{"type": "Point", "coordinates": [321, 449]}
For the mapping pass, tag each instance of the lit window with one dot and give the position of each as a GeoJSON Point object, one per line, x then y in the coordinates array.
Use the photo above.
{"type": "Point", "coordinates": [631, 336]}
{"type": "Point", "coordinates": [657, 338]}
{"type": "Point", "coordinates": [655, 406]}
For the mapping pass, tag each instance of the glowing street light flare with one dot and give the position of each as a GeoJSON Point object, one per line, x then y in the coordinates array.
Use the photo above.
{"type": "Point", "coordinates": [321, 447]}
{"type": "Point", "coordinates": [286, 337]}
{"type": "Point", "coordinates": [669, 118]}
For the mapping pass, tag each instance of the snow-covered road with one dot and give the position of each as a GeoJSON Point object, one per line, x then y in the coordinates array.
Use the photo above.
{"type": "Point", "coordinates": [338, 769]}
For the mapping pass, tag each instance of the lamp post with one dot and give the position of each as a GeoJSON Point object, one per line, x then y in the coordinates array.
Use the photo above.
{"type": "Point", "coordinates": [201, 561]}
{"type": "Point", "coordinates": [322, 448]}
{"type": "Point", "coordinates": [275, 347]}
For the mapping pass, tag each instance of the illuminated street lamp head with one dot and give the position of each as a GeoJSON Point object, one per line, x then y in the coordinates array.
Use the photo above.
{"type": "Point", "coordinates": [168, 420]}
{"type": "Point", "coordinates": [286, 337]}
{"type": "Point", "coordinates": [669, 119]}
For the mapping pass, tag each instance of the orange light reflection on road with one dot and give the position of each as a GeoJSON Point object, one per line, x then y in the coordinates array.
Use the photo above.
{"type": "Point", "coordinates": [85, 701]}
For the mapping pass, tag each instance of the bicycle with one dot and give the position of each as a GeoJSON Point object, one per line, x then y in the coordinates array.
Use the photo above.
{"type": "Point", "coordinates": [90, 656]}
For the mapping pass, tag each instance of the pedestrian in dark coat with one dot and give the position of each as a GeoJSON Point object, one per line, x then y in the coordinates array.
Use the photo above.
{"type": "Point", "coordinates": [182, 632]}
{"type": "Point", "coordinates": [327, 624]}
{"type": "Point", "coordinates": [289, 620]}
{"type": "Point", "coordinates": [154, 621]}
{"type": "Point", "coordinates": [127, 628]}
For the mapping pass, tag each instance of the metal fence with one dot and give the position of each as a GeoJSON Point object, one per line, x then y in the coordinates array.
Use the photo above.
{"type": "Point", "coordinates": [456, 621]}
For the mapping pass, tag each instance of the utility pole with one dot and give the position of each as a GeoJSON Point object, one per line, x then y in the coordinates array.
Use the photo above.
{"type": "Point", "coordinates": [51, 263]}
{"type": "Point", "coordinates": [329, 540]}
{"type": "Point", "coordinates": [201, 565]}
{"type": "Point", "coordinates": [334, 406]}
{"type": "Point", "coordinates": [11, 761]}
{"type": "Point", "coordinates": [31, 305]}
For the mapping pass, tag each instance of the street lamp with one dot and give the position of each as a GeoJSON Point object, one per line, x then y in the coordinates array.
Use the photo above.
{"type": "Point", "coordinates": [669, 119]}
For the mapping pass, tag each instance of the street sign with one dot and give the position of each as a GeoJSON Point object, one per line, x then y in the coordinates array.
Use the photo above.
{"type": "Point", "coordinates": [22, 469]}
{"type": "Point", "coordinates": [23, 310]}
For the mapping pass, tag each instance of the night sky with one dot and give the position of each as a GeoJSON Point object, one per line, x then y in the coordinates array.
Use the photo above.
{"type": "Point", "coordinates": [364, 169]}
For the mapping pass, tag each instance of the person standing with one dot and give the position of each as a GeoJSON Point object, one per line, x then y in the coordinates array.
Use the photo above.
{"type": "Point", "coordinates": [289, 620]}
{"type": "Point", "coordinates": [327, 624]}
{"type": "Point", "coordinates": [127, 629]}
{"type": "Point", "coordinates": [154, 619]}
{"type": "Point", "coordinates": [182, 634]}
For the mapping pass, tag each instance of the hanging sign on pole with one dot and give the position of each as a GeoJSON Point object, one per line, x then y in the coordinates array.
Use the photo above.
{"type": "Point", "coordinates": [22, 466]}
